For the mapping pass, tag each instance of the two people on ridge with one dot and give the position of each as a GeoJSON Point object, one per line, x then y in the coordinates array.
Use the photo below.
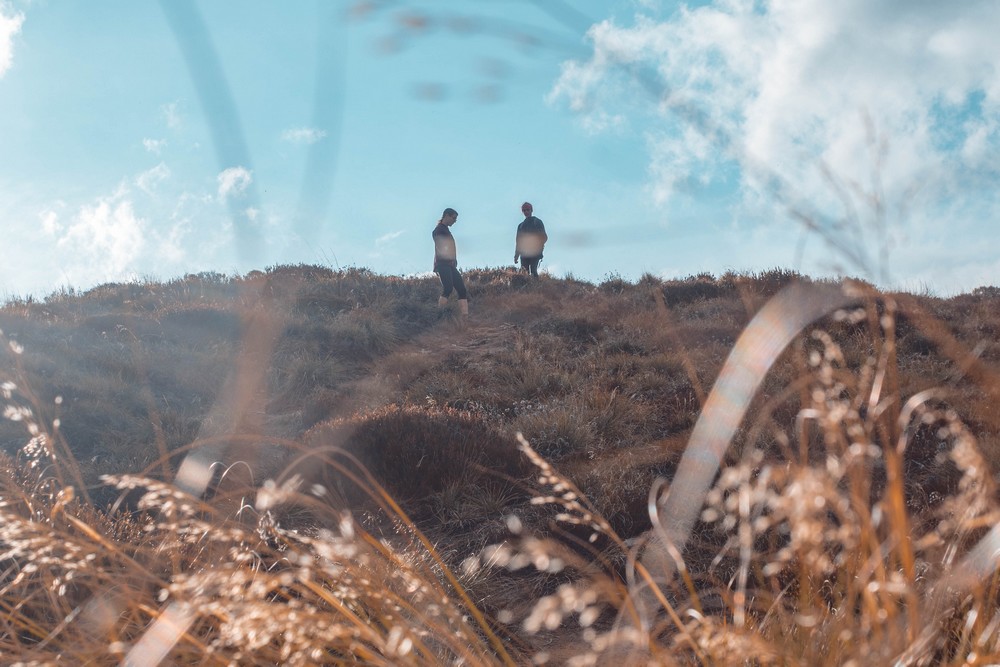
{"type": "Point", "coordinates": [528, 245]}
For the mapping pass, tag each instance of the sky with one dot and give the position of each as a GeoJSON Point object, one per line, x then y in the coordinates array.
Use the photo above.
{"type": "Point", "coordinates": [145, 140]}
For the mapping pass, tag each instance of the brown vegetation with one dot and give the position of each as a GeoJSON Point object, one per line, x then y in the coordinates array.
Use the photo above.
{"type": "Point", "coordinates": [369, 501]}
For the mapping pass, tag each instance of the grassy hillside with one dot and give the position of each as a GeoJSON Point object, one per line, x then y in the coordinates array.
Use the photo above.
{"type": "Point", "coordinates": [369, 500]}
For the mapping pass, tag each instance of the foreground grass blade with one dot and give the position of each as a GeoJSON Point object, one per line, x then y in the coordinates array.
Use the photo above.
{"type": "Point", "coordinates": [758, 347]}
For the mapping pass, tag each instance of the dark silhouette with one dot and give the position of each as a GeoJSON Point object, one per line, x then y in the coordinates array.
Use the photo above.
{"type": "Point", "coordinates": [446, 262]}
{"type": "Point", "coordinates": [530, 241]}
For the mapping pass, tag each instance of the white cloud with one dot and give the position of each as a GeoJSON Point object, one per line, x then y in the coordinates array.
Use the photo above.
{"type": "Point", "coordinates": [154, 145]}
{"type": "Point", "coordinates": [171, 115]}
{"type": "Point", "coordinates": [303, 135]}
{"type": "Point", "coordinates": [600, 122]}
{"type": "Point", "coordinates": [234, 181]}
{"type": "Point", "coordinates": [50, 222]}
{"type": "Point", "coordinates": [9, 26]}
{"type": "Point", "coordinates": [123, 233]}
{"type": "Point", "coordinates": [149, 179]}
{"type": "Point", "coordinates": [103, 240]}
{"type": "Point", "coordinates": [386, 238]}
{"type": "Point", "coordinates": [817, 105]}
{"type": "Point", "coordinates": [171, 246]}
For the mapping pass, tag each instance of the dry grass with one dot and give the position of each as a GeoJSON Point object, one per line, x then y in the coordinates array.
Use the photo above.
{"type": "Point", "coordinates": [386, 515]}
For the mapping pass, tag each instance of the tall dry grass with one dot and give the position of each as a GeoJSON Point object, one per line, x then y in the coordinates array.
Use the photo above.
{"type": "Point", "coordinates": [850, 522]}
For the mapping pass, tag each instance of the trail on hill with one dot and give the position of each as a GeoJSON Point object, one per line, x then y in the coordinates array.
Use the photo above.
{"type": "Point", "coordinates": [491, 330]}
{"type": "Point", "coordinates": [391, 373]}
{"type": "Point", "coordinates": [245, 404]}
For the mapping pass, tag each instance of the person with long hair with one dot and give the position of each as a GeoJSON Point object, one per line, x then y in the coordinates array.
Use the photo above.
{"type": "Point", "coordinates": [446, 262]}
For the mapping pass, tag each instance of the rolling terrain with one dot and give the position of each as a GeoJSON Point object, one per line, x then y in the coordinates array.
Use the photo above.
{"type": "Point", "coordinates": [295, 384]}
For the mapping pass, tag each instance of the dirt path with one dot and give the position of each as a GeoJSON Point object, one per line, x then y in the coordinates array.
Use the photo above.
{"type": "Point", "coordinates": [390, 374]}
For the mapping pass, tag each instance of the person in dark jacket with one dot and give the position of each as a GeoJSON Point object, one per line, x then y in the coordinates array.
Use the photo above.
{"type": "Point", "coordinates": [446, 262]}
{"type": "Point", "coordinates": [529, 241]}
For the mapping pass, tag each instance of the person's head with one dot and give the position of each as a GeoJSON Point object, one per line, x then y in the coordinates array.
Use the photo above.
{"type": "Point", "coordinates": [526, 209]}
{"type": "Point", "coordinates": [449, 217]}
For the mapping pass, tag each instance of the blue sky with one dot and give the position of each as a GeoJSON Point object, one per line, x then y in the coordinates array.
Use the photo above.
{"type": "Point", "coordinates": [149, 140]}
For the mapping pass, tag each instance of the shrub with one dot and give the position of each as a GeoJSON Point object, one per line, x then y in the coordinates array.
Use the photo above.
{"type": "Point", "coordinates": [418, 454]}
{"type": "Point", "coordinates": [692, 288]}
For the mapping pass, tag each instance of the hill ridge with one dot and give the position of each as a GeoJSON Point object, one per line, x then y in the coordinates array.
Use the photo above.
{"type": "Point", "coordinates": [589, 373]}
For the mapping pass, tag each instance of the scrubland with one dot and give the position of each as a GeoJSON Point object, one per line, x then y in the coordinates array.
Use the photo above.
{"type": "Point", "coordinates": [361, 493]}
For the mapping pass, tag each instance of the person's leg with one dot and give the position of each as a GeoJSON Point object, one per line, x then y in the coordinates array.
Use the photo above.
{"type": "Point", "coordinates": [447, 285]}
{"type": "Point", "coordinates": [533, 266]}
{"type": "Point", "coordinates": [463, 294]}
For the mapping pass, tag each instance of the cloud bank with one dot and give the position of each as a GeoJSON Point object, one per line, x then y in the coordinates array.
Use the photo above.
{"type": "Point", "coordinates": [155, 223]}
{"type": "Point", "coordinates": [850, 113]}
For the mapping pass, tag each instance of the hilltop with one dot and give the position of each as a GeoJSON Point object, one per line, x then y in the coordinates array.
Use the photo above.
{"type": "Point", "coordinates": [605, 381]}
{"type": "Point", "coordinates": [267, 372]}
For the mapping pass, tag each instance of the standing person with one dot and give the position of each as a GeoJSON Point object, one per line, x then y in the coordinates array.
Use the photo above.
{"type": "Point", "coordinates": [530, 241]}
{"type": "Point", "coordinates": [446, 262]}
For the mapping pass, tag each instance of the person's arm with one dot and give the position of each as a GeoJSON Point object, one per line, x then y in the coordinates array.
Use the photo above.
{"type": "Point", "coordinates": [517, 244]}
